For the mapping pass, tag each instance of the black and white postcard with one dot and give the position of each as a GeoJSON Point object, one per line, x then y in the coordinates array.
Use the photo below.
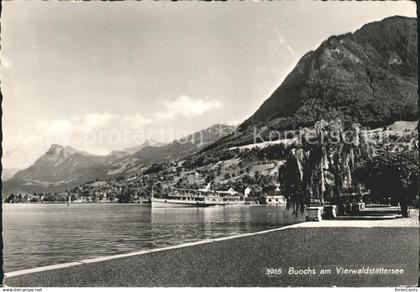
{"type": "Point", "coordinates": [209, 144]}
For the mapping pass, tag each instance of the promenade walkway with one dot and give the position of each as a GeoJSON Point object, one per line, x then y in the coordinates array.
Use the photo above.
{"type": "Point", "coordinates": [256, 260]}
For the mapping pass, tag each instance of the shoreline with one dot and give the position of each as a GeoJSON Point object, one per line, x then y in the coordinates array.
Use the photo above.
{"type": "Point", "coordinates": [145, 204]}
{"type": "Point", "coordinates": [407, 224]}
{"type": "Point", "coordinates": [140, 252]}
{"type": "Point", "coordinates": [78, 203]}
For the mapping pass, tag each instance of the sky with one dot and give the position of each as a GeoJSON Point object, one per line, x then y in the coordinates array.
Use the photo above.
{"type": "Point", "coordinates": [103, 76]}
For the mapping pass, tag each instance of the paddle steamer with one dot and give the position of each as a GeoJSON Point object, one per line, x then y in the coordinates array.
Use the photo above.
{"type": "Point", "coordinates": [198, 198]}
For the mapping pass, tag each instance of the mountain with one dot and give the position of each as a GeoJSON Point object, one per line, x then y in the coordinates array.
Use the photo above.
{"type": "Point", "coordinates": [187, 145]}
{"type": "Point", "coordinates": [63, 168]}
{"type": "Point", "coordinates": [369, 77]}
{"type": "Point", "coordinates": [177, 149]}
{"type": "Point", "coordinates": [147, 143]}
{"type": "Point", "coordinates": [59, 168]}
{"type": "Point", "coordinates": [118, 154]}
{"type": "Point", "coordinates": [7, 174]}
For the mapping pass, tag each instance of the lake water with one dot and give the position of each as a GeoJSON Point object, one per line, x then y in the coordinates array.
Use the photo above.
{"type": "Point", "coordinates": [43, 234]}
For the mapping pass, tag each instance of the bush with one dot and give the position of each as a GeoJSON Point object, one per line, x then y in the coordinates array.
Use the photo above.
{"type": "Point", "coordinates": [392, 175]}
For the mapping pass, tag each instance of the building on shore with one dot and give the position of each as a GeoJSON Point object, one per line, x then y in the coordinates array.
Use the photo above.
{"type": "Point", "coordinates": [276, 200]}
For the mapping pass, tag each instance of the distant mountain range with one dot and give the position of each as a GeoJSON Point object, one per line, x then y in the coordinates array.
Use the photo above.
{"type": "Point", "coordinates": [60, 167]}
{"type": "Point", "coordinates": [132, 150]}
{"type": "Point", "coordinates": [369, 77]}
{"type": "Point", "coordinates": [63, 168]}
{"type": "Point", "coordinates": [177, 149]}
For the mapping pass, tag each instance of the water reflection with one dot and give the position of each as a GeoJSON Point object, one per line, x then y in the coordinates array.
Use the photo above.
{"type": "Point", "coordinates": [37, 234]}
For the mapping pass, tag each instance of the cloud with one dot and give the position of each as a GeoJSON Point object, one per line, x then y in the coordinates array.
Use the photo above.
{"type": "Point", "coordinates": [98, 132]}
{"type": "Point", "coordinates": [103, 121]}
{"type": "Point", "coordinates": [186, 106]}
{"type": "Point", "coordinates": [63, 131]}
{"type": "Point", "coordinates": [59, 130]}
{"type": "Point", "coordinates": [23, 146]}
{"type": "Point", "coordinates": [93, 121]}
{"type": "Point", "coordinates": [55, 128]}
{"type": "Point", "coordinates": [136, 121]}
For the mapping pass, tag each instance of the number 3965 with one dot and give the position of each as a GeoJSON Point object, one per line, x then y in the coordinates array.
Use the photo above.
{"type": "Point", "coordinates": [277, 271]}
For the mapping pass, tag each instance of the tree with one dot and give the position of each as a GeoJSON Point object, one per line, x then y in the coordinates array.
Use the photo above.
{"type": "Point", "coordinates": [292, 187]}
{"type": "Point", "coordinates": [210, 177]}
{"type": "Point", "coordinates": [155, 168]}
{"type": "Point", "coordinates": [124, 196]}
{"type": "Point", "coordinates": [11, 198]}
{"type": "Point", "coordinates": [256, 175]}
{"type": "Point", "coordinates": [392, 175]}
{"type": "Point", "coordinates": [324, 155]}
